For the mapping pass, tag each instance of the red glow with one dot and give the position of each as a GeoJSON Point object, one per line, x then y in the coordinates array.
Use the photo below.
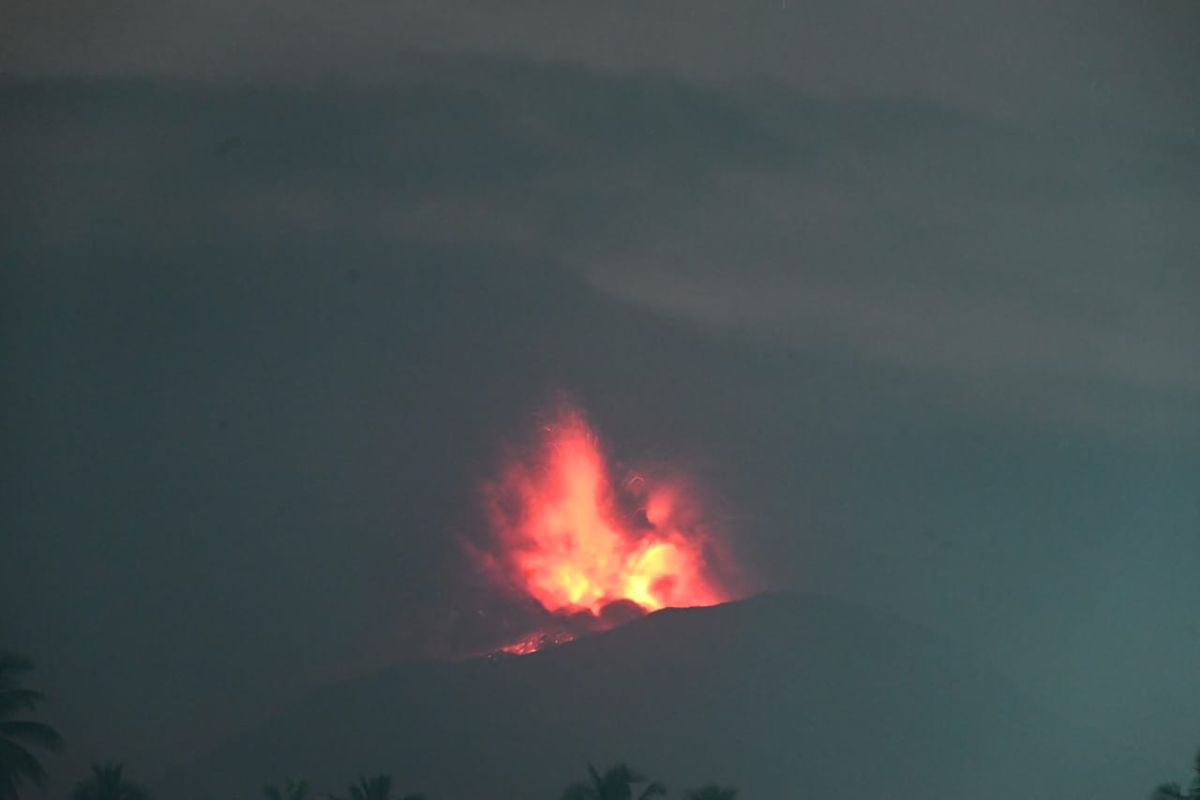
{"type": "Point", "coordinates": [575, 541]}
{"type": "Point", "coordinates": [534, 642]}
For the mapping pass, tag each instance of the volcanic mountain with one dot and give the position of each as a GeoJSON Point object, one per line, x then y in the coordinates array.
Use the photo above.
{"type": "Point", "coordinates": [780, 695]}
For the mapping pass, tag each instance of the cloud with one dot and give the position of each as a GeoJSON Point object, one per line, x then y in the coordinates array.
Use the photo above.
{"type": "Point", "coordinates": [463, 149]}
{"type": "Point", "coordinates": [1037, 274]}
{"type": "Point", "coordinates": [1034, 272]}
{"type": "Point", "coordinates": [1012, 59]}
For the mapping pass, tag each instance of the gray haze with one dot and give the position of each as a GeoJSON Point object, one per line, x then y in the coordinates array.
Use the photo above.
{"type": "Point", "coordinates": [912, 290]}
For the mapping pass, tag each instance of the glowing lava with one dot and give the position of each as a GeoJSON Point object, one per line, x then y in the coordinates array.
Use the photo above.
{"type": "Point", "coordinates": [578, 543]}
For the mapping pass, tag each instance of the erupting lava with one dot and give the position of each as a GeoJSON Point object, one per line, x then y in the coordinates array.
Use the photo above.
{"type": "Point", "coordinates": [580, 544]}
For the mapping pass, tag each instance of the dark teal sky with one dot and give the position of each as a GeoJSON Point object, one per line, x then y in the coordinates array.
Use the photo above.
{"type": "Point", "coordinates": [913, 292]}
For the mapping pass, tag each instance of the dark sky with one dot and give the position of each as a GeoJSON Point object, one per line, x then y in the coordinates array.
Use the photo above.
{"type": "Point", "coordinates": [914, 289]}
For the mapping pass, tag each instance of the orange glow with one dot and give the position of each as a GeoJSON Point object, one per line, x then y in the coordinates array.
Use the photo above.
{"type": "Point", "coordinates": [576, 542]}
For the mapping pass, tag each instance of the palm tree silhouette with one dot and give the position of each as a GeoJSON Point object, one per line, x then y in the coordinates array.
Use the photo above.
{"type": "Point", "coordinates": [291, 789]}
{"type": "Point", "coordinates": [17, 764]}
{"type": "Point", "coordinates": [376, 788]}
{"type": "Point", "coordinates": [712, 792]}
{"type": "Point", "coordinates": [617, 783]}
{"type": "Point", "coordinates": [108, 783]}
{"type": "Point", "coordinates": [1173, 791]}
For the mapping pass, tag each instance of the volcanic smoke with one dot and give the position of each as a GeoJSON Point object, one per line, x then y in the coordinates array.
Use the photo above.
{"type": "Point", "coordinates": [584, 545]}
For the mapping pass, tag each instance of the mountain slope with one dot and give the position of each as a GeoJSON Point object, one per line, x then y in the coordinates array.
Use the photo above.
{"type": "Point", "coordinates": [781, 695]}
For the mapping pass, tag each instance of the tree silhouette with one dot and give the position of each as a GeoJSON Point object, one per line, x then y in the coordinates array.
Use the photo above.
{"type": "Point", "coordinates": [108, 783]}
{"type": "Point", "coordinates": [290, 789]}
{"type": "Point", "coordinates": [376, 788]}
{"type": "Point", "coordinates": [712, 792]}
{"type": "Point", "coordinates": [1173, 791]}
{"type": "Point", "coordinates": [617, 783]}
{"type": "Point", "coordinates": [17, 764]}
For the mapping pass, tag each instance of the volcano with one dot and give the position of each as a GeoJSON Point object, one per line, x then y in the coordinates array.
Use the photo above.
{"type": "Point", "coordinates": [589, 546]}
{"type": "Point", "coordinates": [780, 695]}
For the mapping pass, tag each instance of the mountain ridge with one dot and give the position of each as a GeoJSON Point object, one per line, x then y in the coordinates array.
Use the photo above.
{"type": "Point", "coordinates": [791, 694]}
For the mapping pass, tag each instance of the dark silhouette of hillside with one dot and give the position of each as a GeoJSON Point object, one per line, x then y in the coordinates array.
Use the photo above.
{"type": "Point", "coordinates": [779, 695]}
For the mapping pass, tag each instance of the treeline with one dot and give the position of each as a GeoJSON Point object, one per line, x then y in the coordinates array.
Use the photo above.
{"type": "Point", "coordinates": [1175, 791]}
{"type": "Point", "coordinates": [619, 782]}
{"type": "Point", "coordinates": [22, 740]}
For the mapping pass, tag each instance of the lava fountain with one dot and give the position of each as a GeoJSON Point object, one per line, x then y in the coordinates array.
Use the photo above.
{"type": "Point", "coordinates": [592, 548]}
